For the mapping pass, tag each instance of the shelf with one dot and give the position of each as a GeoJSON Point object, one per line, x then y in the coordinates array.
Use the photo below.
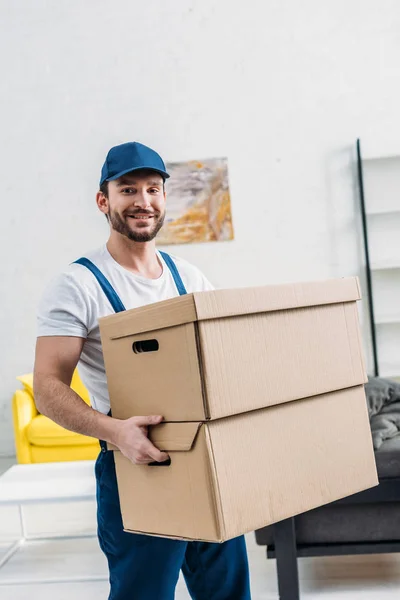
{"type": "Point", "coordinates": [390, 371]}
{"type": "Point", "coordinates": [389, 320]}
{"type": "Point", "coordinates": [381, 177]}
{"type": "Point", "coordinates": [385, 265]}
{"type": "Point", "coordinates": [367, 159]}
{"type": "Point", "coordinates": [381, 213]}
{"type": "Point", "coordinates": [382, 185]}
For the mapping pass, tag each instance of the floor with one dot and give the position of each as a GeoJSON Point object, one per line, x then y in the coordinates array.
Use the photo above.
{"type": "Point", "coordinates": [334, 578]}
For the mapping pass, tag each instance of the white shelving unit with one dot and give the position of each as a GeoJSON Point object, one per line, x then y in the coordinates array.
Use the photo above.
{"type": "Point", "coordinates": [384, 238]}
{"type": "Point", "coordinates": [381, 188]}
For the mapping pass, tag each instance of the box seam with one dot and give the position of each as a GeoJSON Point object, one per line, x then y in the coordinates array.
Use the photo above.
{"type": "Point", "coordinates": [360, 350]}
{"type": "Point", "coordinates": [246, 412]}
{"type": "Point", "coordinates": [169, 536]}
{"type": "Point", "coordinates": [217, 493]}
{"type": "Point", "coordinates": [103, 322]}
{"type": "Point", "coordinates": [275, 310]}
{"type": "Point", "coordinates": [200, 359]}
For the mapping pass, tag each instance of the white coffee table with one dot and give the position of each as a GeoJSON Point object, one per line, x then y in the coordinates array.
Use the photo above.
{"type": "Point", "coordinates": [46, 483]}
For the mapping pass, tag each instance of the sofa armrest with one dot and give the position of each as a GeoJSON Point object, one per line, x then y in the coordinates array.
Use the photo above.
{"type": "Point", "coordinates": [23, 410]}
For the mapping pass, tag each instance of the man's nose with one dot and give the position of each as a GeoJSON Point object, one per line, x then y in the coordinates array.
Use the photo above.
{"type": "Point", "coordinates": [142, 199]}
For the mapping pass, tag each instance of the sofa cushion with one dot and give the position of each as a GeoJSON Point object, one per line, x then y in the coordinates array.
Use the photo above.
{"type": "Point", "coordinates": [343, 524]}
{"type": "Point", "coordinates": [42, 431]}
{"type": "Point", "coordinates": [388, 458]}
{"type": "Point", "coordinates": [44, 454]}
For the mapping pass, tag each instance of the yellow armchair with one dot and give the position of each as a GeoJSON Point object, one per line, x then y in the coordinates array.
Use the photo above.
{"type": "Point", "coordinates": [38, 439]}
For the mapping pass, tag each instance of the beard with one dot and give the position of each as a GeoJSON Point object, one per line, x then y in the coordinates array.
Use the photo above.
{"type": "Point", "coordinates": [122, 226]}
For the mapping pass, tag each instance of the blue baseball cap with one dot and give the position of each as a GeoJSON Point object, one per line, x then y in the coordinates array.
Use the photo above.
{"type": "Point", "coordinates": [131, 157]}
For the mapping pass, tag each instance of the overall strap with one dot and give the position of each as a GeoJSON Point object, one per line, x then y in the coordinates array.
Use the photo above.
{"type": "Point", "coordinates": [115, 300]}
{"type": "Point", "coordinates": [112, 295]}
{"type": "Point", "coordinates": [105, 285]}
{"type": "Point", "coordinates": [180, 286]}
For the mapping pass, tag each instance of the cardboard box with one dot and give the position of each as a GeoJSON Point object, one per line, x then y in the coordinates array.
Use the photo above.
{"type": "Point", "coordinates": [262, 391]}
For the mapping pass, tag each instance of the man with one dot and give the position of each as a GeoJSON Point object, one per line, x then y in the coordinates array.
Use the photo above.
{"type": "Point", "coordinates": [126, 272]}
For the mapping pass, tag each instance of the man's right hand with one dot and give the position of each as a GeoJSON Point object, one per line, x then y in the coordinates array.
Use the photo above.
{"type": "Point", "coordinates": [132, 440]}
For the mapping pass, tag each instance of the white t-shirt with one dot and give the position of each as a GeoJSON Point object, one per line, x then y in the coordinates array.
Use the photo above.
{"type": "Point", "coordinates": [74, 301]}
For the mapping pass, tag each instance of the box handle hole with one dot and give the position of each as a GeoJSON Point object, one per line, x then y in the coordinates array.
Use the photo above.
{"type": "Point", "coordinates": [166, 463]}
{"type": "Point", "coordinates": [145, 346]}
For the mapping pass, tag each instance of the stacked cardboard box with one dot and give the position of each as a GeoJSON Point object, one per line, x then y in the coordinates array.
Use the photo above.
{"type": "Point", "coordinates": [262, 394]}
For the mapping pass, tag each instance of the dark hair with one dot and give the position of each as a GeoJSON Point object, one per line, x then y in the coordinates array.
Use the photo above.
{"type": "Point", "coordinates": [104, 188]}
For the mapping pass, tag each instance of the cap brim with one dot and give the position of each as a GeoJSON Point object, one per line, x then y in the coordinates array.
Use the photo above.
{"type": "Point", "coordinates": [163, 174]}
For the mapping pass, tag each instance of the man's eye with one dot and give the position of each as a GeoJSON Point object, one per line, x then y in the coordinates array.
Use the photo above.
{"type": "Point", "coordinates": [128, 191]}
{"type": "Point", "coordinates": [154, 191]}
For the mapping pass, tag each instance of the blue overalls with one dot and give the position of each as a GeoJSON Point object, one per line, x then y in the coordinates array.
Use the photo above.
{"type": "Point", "coordinates": [145, 567]}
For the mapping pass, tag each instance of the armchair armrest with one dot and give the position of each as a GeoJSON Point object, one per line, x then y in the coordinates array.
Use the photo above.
{"type": "Point", "coordinates": [23, 410]}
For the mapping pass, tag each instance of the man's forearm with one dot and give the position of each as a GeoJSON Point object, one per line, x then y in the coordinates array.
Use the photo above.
{"type": "Point", "coordinates": [60, 403]}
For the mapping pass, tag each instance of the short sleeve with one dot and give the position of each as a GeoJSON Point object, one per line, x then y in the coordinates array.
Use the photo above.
{"type": "Point", "coordinates": [64, 309]}
{"type": "Point", "coordinates": [205, 285]}
{"type": "Point", "coordinates": [192, 277]}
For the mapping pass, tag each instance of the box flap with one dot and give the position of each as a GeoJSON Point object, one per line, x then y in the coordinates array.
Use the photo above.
{"type": "Point", "coordinates": [246, 301]}
{"type": "Point", "coordinates": [228, 303]}
{"type": "Point", "coordinates": [176, 311]}
{"type": "Point", "coordinates": [171, 437]}
{"type": "Point", "coordinates": [176, 500]}
{"type": "Point", "coordinates": [174, 437]}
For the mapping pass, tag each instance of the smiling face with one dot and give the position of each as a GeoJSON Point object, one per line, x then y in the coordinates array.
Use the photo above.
{"type": "Point", "coordinates": [135, 205]}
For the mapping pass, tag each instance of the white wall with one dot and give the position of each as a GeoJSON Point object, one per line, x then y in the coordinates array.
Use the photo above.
{"type": "Point", "coordinates": [281, 87]}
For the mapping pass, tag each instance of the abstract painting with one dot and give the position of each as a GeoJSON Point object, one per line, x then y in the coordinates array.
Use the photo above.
{"type": "Point", "coordinates": [198, 203]}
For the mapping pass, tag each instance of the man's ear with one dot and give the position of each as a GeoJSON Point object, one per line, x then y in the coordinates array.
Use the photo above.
{"type": "Point", "coordinates": [102, 203]}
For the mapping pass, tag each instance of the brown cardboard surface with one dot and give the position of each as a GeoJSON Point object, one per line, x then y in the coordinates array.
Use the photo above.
{"type": "Point", "coordinates": [174, 501]}
{"type": "Point", "coordinates": [176, 311]}
{"type": "Point", "coordinates": [262, 393]}
{"type": "Point", "coordinates": [220, 367]}
{"type": "Point", "coordinates": [174, 437]}
{"type": "Point", "coordinates": [251, 470]}
{"type": "Point", "coordinates": [246, 301]}
{"type": "Point", "coordinates": [166, 382]}
{"type": "Point", "coordinates": [228, 303]}
{"type": "Point", "coordinates": [287, 459]}
{"type": "Point", "coordinates": [258, 360]}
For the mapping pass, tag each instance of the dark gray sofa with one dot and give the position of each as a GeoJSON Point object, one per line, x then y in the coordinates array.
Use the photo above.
{"type": "Point", "coordinates": [368, 522]}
